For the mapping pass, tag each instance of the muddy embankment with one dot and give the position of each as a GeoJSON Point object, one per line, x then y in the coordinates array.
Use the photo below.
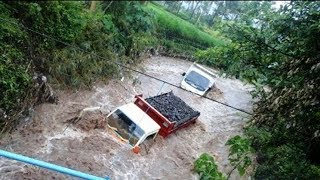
{"type": "Point", "coordinates": [90, 147]}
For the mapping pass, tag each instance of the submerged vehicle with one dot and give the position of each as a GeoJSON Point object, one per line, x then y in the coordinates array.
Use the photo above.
{"type": "Point", "coordinates": [146, 118]}
{"type": "Point", "coordinates": [198, 80]}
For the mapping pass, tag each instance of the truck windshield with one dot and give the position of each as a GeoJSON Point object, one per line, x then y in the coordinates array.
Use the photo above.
{"type": "Point", "coordinates": [125, 127]}
{"type": "Point", "coordinates": [197, 81]}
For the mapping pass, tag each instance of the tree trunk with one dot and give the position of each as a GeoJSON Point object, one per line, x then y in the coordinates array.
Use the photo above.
{"type": "Point", "coordinates": [93, 5]}
{"type": "Point", "coordinates": [108, 6]}
{"type": "Point", "coordinates": [194, 9]}
{"type": "Point", "coordinates": [216, 12]}
{"type": "Point", "coordinates": [190, 6]}
{"type": "Point", "coordinates": [200, 14]}
{"type": "Point", "coordinates": [179, 7]}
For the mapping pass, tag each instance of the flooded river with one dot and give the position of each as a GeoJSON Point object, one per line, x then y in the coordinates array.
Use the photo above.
{"type": "Point", "coordinates": [98, 152]}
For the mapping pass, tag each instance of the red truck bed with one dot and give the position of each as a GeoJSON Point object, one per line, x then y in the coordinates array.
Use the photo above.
{"type": "Point", "coordinates": [169, 111]}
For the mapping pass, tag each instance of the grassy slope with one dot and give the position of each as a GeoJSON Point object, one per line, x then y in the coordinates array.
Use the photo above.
{"type": "Point", "coordinates": [180, 28]}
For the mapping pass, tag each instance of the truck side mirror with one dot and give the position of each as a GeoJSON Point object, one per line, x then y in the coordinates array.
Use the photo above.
{"type": "Point", "coordinates": [183, 74]}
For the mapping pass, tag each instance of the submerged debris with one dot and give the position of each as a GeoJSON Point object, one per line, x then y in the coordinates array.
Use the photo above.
{"type": "Point", "coordinates": [43, 91]}
{"type": "Point", "coordinates": [88, 119]}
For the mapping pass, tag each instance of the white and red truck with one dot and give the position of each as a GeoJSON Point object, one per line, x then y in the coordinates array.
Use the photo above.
{"type": "Point", "coordinates": [146, 118]}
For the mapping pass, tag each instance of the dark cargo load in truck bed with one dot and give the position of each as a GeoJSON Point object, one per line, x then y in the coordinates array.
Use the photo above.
{"type": "Point", "coordinates": [172, 107]}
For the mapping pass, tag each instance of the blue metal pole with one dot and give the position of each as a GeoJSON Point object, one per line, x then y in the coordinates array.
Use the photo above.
{"type": "Point", "coordinates": [49, 166]}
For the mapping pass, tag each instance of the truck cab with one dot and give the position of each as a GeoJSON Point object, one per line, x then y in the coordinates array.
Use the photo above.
{"type": "Point", "coordinates": [198, 79]}
{"type": "Point", "coordinates": [162, 114]}
{"type": "Point", "coordinates": [132, 125]}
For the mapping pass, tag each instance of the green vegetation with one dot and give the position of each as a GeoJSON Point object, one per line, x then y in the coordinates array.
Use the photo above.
{"type": "Point", "coordinates": [283, 55]}
{"type": "Point", "coordinates": [273, 49]}
{"type": "Point", "coordinates": [178, 48]}
{"type": "Point", "coordinates": [91, 34]}
{"type": "Point", "coordinates": [278, 52]}
{"type": "Point", "coordinates": [14, 76]}
{"type": "Point", "coordinates": [174, 27]}
{"type": "Point", "coordinates": [240, 153]}
{"type": "Point", "coordinates": [75, 35]}
{"type": "Point", "coordinates": [207, 168]}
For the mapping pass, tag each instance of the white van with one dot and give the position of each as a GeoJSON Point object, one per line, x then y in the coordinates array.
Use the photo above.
{"type": "Point", "coordinates": [198, 80]}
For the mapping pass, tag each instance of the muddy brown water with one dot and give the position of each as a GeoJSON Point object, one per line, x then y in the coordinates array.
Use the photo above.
{"type": "Point", "coordinates": [97, 151]}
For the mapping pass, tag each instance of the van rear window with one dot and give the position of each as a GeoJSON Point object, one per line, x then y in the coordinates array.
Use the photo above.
{"type": "Point", "coordinates": [197, 81]}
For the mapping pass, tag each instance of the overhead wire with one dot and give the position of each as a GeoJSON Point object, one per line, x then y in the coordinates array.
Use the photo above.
{"type": "Point", "coordinates": [124, 66]}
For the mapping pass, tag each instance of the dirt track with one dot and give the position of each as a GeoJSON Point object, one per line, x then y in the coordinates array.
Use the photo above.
{"type": "Point", "coordinates": [91, 148]}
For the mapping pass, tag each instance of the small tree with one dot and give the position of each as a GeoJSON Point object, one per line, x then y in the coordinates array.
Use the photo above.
{"type": "Point", "coordinates": [207, 168]}
{"type": "Point", "coordinates": [239, 156]}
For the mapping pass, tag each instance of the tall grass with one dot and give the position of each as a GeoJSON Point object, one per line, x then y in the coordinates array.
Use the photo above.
{"type": "Point", "coordinates": [174, 27]}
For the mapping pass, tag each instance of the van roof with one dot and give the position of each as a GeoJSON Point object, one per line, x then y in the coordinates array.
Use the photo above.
{"type": "Point", "coordinates": [208, 73]}
{"type": "Point", "coordinates": [140, 118]}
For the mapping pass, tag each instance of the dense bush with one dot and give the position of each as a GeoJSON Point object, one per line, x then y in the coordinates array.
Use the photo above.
{"type": "Point", "coordinates": [288, 121]}
{"type": "Point", "coordinates": [284, 130]}
{"type": "Point", "coordinates": [14, 69]}
{"type": "Point", "coordinates": [178, 48]}
{"type": "Point", "coordinates": [240, 153]}
{"type": "Point", "coordinates": [234, 60]}
{"type": "Point", "coordinates": [141, 43]}
{"type": "Point", "coordinates": [66, 22]}
{"type": "Point", "coordinates": [123, 30]}
{"type": "Point", "coordinates": [131, 20]}
{"type": "Point", "coordinates": [290, 114]}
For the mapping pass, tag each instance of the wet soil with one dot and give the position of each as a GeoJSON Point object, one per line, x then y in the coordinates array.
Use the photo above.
{"type": "Point", "coordinates": [90, 147]}
{"type": "Point", "coordinates": [89, 121]}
